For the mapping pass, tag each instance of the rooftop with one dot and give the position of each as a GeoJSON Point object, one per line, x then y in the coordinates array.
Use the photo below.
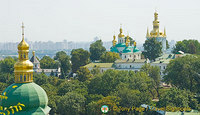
{"type": "Point", "coordinates": [101, 65]}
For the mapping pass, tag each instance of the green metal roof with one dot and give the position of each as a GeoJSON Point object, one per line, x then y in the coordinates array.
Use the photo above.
{"type": "Point", "coordinates": [120, 45]}
{"type": "Point", "coordinates": [127, 50]}
{"type": "Point", "coordinates": [114, 49]}
{"type": "Point", "coordinates": [101, 65]}
{"type": "Point", "coordinates": [30, 94]}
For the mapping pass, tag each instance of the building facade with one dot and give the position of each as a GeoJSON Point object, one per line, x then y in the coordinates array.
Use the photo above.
{"type": "Point", "coordinates": [37, 69]}
{"type": "Point", "coordinates": [123, 47]}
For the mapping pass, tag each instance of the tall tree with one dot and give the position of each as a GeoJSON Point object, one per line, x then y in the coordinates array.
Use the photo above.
{"type": "Point", "coordinates": [183, 73]}
{"type": "Point", "coordinates": [79, 57]}
{"type": "Point", "coordinates": [187, 46]}
{"type": "Point", "coordinates": [7, 65]}
{"type": "Point", "coordinates": [71, 103]}
{"type": "Point", "coordinates": [109, 57]}
{"type": "Point", "coordinates": [65, 64]}
{"type": "Point", "coordinates": [48, 63]}
{"type": "Point", "coordinates": [154, 73]}
{"type": "Point", "coordinates": [152, 49]}
{"type": "Point", "coordinates": [178, 98]}
{"type": "Point", "coordinates": [83, 74]}
{"type": "Point", "coordinates": [96, 50]}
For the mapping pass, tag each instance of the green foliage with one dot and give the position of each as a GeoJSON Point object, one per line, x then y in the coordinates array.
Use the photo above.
{"type": "Point", "coordinates": [178, 98]}
{"type": "Point", "coordinates": [40, 79]}
{"type": "Point", "coordinates": [109, 57]}
{"type": "Point", "coordinates": [48, 63]}
{"type": "Point", "coordinates": [154, 73]}
{"type": "Point", "coordinates": [167, 44]}
{"type": "Point", "coordinates": [152, 49]}
{"type": "Point", "coordinates": [2, 87]}
{"type": "Point", "coordinates": [79, 57]}
{"type": "Point", "coordinates": [71, 103]}
{"type": "Point", "coordinates": [183, 73]}
{"type": "Point", "coordinates": [64, 61]}
{"type": "Point", "coordinates": [187, 46]}
{"type": "Point", "coordinates": [96, 70]}
{"type": "Point", "coordinates": [7, 65]}
{"type": "Point", "coordinates": [96, 50]}
{"type": "Point", "coordinates": [83, 74]}
{"type": "Point", "coordinates": [73, 85]}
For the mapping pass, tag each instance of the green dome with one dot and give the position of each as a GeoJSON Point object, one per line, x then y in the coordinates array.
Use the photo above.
{"type": "Point", "coordinates": [121, 45]}
{"type": "Point", "coordinates": [114, 49]}
{"type": "Point", "coordinates": [136, 50]}
{"type": "Point", "coordinates": [127, 50]}
{"type": "Point", "coordinates": [30, 94]}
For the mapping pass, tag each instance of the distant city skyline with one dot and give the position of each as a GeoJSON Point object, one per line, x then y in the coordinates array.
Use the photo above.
{"type": "Point", "coordinates": [57, 20]}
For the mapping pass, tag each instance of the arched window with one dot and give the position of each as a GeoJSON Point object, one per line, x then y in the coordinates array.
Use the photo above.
{"type": "Point", "coordinates": [20, 77]}
{"type": "Point", "coordinates": [125, 56]}
{"type": "Point", "coordinates": [130, 66]}
{"type": "Point", "coordinates": [24, 77]}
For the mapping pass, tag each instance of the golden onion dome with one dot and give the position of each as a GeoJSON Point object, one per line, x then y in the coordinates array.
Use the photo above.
{"type": "Point", "coordinates": [23, 45]}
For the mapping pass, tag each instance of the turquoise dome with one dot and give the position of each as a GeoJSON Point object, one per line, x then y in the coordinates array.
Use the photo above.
{"type": "Point", "coordinates": [114, 49]}
{"type": "Point", "coordinates": [30, 94]}
{"type": "Point", "coordinates": [136, 50]}
{"type": "Point", "coordinates": [127, 50]}
{"type": "Point", "coordinates": [121, 45]}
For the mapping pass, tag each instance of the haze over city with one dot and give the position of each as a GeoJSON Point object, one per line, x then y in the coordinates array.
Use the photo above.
{"type": "Point", "coordinates": [82, 20]}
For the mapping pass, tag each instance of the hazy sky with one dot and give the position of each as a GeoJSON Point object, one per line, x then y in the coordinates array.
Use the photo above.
{"type": "Point", "coordinates": [82, 20]}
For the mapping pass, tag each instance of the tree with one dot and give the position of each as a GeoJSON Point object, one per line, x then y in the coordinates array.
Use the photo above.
{"type": "Point", "coordinates": [183, 73]}
{"type": "Point", "coordinates": [167, 44]}
{"type": "Point", "coordinates": [96, 50]}
{"type": "Point", "coordinates": [79, 57]}
{"type": "Point", "coordinates": [154, 73]}
{"type": "Point", "coordinates": [7, 65]}
{"type": "Point", "coordinates": [187, 46]}
{"type": "Point", "coordinates": [109, 57]}
{"type": "Point", "coordinates": [71, 103]}
{"type": "Point", "coordinates": [64, 61]}
{"type": "Point", "coordinates": [83, 74]}
{"type": "Point", "coordinates": [73, 85]}
{"type": "Point", "coordinates": [178, 98]}
{"type": "Point", "coordinates": [48, 63]}
{"type": "Point", "coordinates": [152, 49]}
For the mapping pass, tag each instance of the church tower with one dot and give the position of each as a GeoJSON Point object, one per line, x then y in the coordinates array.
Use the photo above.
{"type": "Point", "coordinates": [156, 33]}
{"type": "Point", "coordinates": [24, 97]}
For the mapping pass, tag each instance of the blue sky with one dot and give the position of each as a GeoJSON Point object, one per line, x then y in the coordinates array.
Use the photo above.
{"type": "Point", "coordinates": [82, 20]}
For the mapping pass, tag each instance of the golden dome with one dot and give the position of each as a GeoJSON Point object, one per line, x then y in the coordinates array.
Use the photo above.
{"type": "Point", "coordinates": [23, 45]}
{"type": "Point", "coordinates": [120, 34]}
{"type": "Point", "coordinates": [23, 67]}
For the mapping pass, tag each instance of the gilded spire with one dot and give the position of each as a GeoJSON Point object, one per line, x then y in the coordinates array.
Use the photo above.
{"type": "Point", "coordinates": [127, 40]}
{"type": "Point", "coordinates": [147, 36]}
{"type": "Point", "coordinates": [114, 40]}
{"type": "Point", "coordinates": [23, 68]}
{"type": "Point", "coordinates": [22, 31]}
{"type": "Point", "coordinates": [120, 30]}
{"type": "Point", "coordinates": [164, 33]}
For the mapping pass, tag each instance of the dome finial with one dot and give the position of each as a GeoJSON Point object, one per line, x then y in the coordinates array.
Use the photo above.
{"type": "Point", "coordinates": [22, 31]}
{"type": "Point", "coordinates": [147, 36]}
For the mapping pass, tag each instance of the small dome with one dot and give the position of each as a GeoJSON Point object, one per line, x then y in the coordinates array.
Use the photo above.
{"type": "Point", "coordinates": [127, 50]}
{"type": "Point", "coordinates": [23, 45]}
{"type": "Point", "coordinates": [30, 94]}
